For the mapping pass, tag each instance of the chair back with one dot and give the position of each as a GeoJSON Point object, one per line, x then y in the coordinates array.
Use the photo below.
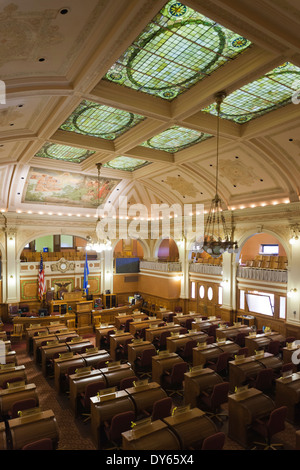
{"type": "Point", "coordinates": [212, 330]}
{"type": "Point", "coordinates": [162, 408]}
{"type": "Point", "coordinates": [41, 444]}
{"type": "Point", "coordinates": [287, 366]}
{"type": "Point", "coordinates": [214, 442]}
{"type": "Point", "coordinates": [178, 371]}
{"type": "Point", "coordinates": [220, 394]}
{"type": "Point", "coordinates": [188, 348]}
{"type": "Point", "coordinates": [127, 324]}
{"type": "Point", "coordinates": [222, 362]}
{"type": "Point", "coordinates": [240, 339]}
{"type": "Point", "coordinates": [188, 323]}
{"type": "Point", "coordinates": [243, 351]}
{"type": "Point", "coordinates": [276, 422]}
{"type": "Point", "coordinates": [22, 405]}
{"type": "Point", "coordinates": [91, 391]}
{"type": "Point", "coordinates": [274, 347]}
{"type": "Point", "coordinates": [127, 382]}
{"type": "Point", "coordinates": [163, 338]}
{"type": "Point", "coordinates": [120, 422]}
{"type": "Point", "coordinates": [210, 340]}
{"type": "Point", "coordinates": [264, 379]}
{"type": "Point", "coordinates": [146, 357]}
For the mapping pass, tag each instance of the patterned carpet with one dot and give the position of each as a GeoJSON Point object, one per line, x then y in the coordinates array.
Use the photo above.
{"type": "Point", "coordinates": [76, 435]}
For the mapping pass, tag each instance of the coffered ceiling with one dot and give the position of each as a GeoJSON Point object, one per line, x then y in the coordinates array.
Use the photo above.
{"type": "Point", "coordinates": [132, 84]}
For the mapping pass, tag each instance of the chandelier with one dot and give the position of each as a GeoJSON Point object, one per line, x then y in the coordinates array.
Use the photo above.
{"type": "Point", "coordinates": [100, 245]}
{"type": "Point", "coordinates": [217, 237]}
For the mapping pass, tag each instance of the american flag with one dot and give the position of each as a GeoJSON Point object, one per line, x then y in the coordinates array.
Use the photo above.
{"type": "Point", "coordinates": [41, 280]}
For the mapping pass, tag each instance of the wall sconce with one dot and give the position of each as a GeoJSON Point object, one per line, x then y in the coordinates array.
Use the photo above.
{"type": "Point", "coordinates": [292, 292]}
{"type": "Point", "coordinates": [225, 283]}
{"type": "Point", "coordinates": [177, 278]}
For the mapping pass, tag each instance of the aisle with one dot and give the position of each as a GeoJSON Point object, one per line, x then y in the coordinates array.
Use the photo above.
{"type": "Point", "coordinates": [74, 434]}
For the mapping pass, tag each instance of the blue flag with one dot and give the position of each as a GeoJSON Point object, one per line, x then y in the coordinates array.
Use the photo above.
{"type": "Point", "coordinates": [85, 275]}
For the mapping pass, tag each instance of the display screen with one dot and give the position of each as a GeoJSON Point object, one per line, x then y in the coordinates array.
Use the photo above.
{"type": "Point", "coordinates": [127, 265]}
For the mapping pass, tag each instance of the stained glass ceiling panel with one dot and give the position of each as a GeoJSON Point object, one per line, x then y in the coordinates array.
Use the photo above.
{"type": "Point", "coordinates": [270, 92]}
{"type": "Point", "coordinates": [176, 138]}
{"type": "Point", "coordinates": [64, 152]}
{"type": "Point", "coordinates": [98, 120]}
{"type": "Point", "coordinates": [177, 49]}
{"type": "Point", "coordinates": [126, 163]}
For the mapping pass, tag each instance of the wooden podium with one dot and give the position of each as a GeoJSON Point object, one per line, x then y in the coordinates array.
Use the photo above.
{"type": "Point", "coordinates": [83, 310]}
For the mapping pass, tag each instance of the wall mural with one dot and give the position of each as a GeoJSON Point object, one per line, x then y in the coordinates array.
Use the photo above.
{"type": "Point", "coordinates": [64, 188]}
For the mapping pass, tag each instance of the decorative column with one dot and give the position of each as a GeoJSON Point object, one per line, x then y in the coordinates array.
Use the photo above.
{"type": "Point", "coordinates": [183, 258]}
{"type": "Point", "coordinates": [228, 281]}
{"type": "Point", "coordinates": [293, 285]}
{"type": "Point", "coordinates": [107, 271]}
{"type": "Point", "coordinates": [12, 272]}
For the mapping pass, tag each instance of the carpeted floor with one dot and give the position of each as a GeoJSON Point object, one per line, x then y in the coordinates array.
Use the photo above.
{"type": "Point", "coordinates": [75, 434]}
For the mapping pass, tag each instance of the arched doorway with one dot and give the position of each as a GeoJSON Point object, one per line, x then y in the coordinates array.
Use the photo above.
{"type": "Point", "coordinates": [168, 250]}
{"type": "Point", "coordinates": [263, 250]}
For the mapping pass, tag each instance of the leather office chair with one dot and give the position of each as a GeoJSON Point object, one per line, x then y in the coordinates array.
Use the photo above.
{"type": "Point", "coordinates": [274, 347]}
{"type": "Point", "coordinates": [162, 408]}
{"type": "Point", "coordinates": [240, 339]}
{"type": "Point", "coordinates": [263, 380]}
{"type": "Point", "coordinates": [161, 341]}
{"type": "Point", "coordinates": [186, 352]}
{"type": "Point", "coordinates": [120, 423]}
{"type": "Point", "coordinates": [188, 323]}
{"type": "Point", "coordinates": [121, 351]}
{"type": "Point", "coordinates": [84, 400]}
{"type": "Point", "coordinates": [243, 351]}
{"type": "Point", "coordinates": [127, 325]}
{"type": "Point", "coordinates": [127, 382]}
{"type": "Point", "coordinates": [143, 363]}
{"type": "Point", "coordinates": [210, 340]}
{"type": "Point", "coordinates": [183, 331]}
{"type": "Point", "coordinates": [212, 331]}
{"type": "Point", "coordinates": [214, 442]}
{"type": "Point", "coordinates": [42, 444]}
{"type": "Point", "coordinates": [221, 365]}
{"type": "Point", "coordinates": [173, 380]}
{"type": "Point", "coordinates": [214, 400]}
{"type": "Point", "coordinates": [105, 340]}
{"type": "Point", "coordinates": [269, 426]}
{"type": "Point", "coordinates": [21, 405]}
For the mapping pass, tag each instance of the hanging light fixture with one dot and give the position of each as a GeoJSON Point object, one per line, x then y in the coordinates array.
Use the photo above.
{"type": "Point", "coordinates": [217, 238]}
{"type": "Point", "coordinates": [99, 245]}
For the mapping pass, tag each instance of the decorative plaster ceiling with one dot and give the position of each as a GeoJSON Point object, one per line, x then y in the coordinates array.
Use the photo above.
{"type": "Point", "coordinates": [132, 86]}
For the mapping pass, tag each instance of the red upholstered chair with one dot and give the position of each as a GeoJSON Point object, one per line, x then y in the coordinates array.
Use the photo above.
{"type": "Point", "coordinates": [121, 422]}
{"type": "Point", "coordinates": [143, 363]}
{"type": "Point", "coordinates": [214, 442]}
{"type": "Point", "coordinates": [213, 401]}
{"type": "Point", "coordinates": [21, 406]}
{"type": "Point", "coordinates": [212, 331]}
{"type": "Point", "coordinates": [263, 380]}
{"type": "Point", "coordinates": [240, 339]}
{"type": "Point", "coordinates": [127, 325]}
{"type": "Point", "coordinates": [186, 352]}
{"type": "Point", "coordinates": [172, 381]}
{"type": "Point", "coordinates": [274, 347]}
{"type": "Point", "coordinates": [221, 365]}
{"type": "Point", "coordinates": [105, 339]}
{"type": "Point", "coordinates": [183, 331]}
{"type": "Point", "coordinates": [243, 352]}
{"type": "Point", "coordinates": [210, 340]}
{"type": "Point", "coordinates": [162, 408]}
{"type": "Point", "coordinates": [42, 444]}
{"type": "Point", "coordinates": [269, 426]}
{"type": "Point", "coordinates": [91, 391]}
{"type": "Point", "coordinates": [161, 341]}
{"type": "Point", "coordinates": [127, 382]}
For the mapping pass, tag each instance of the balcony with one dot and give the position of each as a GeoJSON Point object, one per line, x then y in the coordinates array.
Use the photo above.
{"type": "Point", "coordinates": [164, 266]}
{"type": "Point", "coordinates": [261, 274]}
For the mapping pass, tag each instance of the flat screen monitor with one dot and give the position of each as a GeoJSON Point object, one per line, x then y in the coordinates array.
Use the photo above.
{"type": "Point", "coordinates": [127, 265]}
{"type": "Point", "coordinates": [259, 304]}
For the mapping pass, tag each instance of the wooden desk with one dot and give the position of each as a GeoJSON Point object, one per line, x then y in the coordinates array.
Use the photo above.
{"type": "Point", "coordinates": [30, 429]}
{"type": "Point", "coordinates": [135, 326]}
{"type": "Point", "coordinates": [212, 351]}
{"type": "Point", "coordinates": [11, 358]}
{"type": "Point", "coordinates": [108, 315]}
{"type": "Point", "coordinates": [27, 321]}
{"type": "Point", "coordinates": [114, 375]}
{"type": "Point", "coordinates": [83, 310]}
{"type": "Point", "coordinates": [243, 409]}
{"type": "Point", "coordinates": [182, 319]}
{"type": "Point", "coordinates": [61, 366]}
{"type": "Point", "coordinates": [152, 333]}
{"type": "Point", "coordinates": [232, 331]}
{"type": "Point", "coordinates": [161, 363]}
{"type": "Point", "coordinates": [241, 371]}
{"type": "Point", "coordinates": [135, 349]}
{"type": "Point", "coordinates": [120, 320]}
{"type": "Point", "coordinates": [95, 357]}
{"type": "Point", "coordinates": [48, 352]}
{"type": "Point", "coordinates": [191, 427]}
{"type": "Point", "coordinates": [261, 341]}
{"type": "Point", "coordinates": [101, 332]}
{"type": "Point", "coordinates": [196, 382]}
{"type": "Point", "coordinates": [12, 372]}
{"type": "Point", "coordinates": [288, 394]}
{"type": "Point", "coordinates": [156, 436]}
{"type": "Point", "coordinates": [10, 395]}
{"type": "Point", "coordinates": [145, 396]}
{"type": "Point", "coordinates": [115, 340]}
{"type": "Point", "coordinates": [104, 410]}
{"type": "Point", "coordinates": [173, 343]}
{"type": "Point", "coordinates": [38, 340]}
{"type": "Point", "coordinates": [78, 383]}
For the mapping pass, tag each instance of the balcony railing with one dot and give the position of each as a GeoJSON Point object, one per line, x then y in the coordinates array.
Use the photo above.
{"type": "Point", "coordinates": [161, 266]}
{"type": "Point", "coordinates": [260, 274]}
{"type": "Point", "coordinates": [206, 269]}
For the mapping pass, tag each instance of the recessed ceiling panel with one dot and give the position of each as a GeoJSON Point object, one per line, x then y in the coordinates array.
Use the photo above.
{"type": "Point", "coordinates": [126, 163]}
{"type": "Point", "coordinates": [177, 49]}
{"type": "Point", "coordinates": [100, 121]}
{"type": "Point", "coordinates": [270, 92]}
{"type": "Point", "coordinates": [64, 152]}
{"type": "Point", "coordinates": [176, 138]}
